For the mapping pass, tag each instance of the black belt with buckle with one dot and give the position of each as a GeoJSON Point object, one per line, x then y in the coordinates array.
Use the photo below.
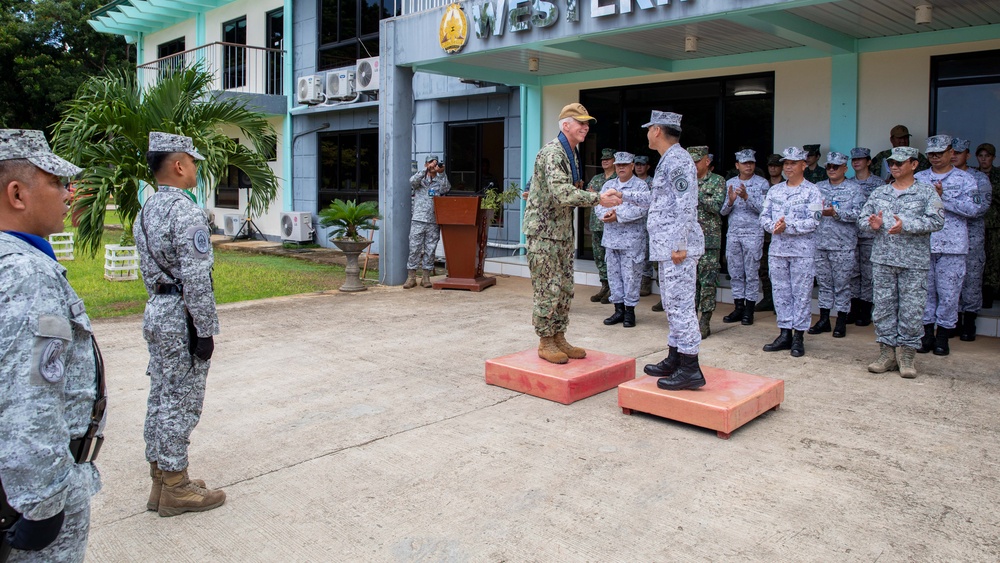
{"type": "Point", "coordinates": [85, 450]}
{"type": "Point", "coordinates": [168, 289]}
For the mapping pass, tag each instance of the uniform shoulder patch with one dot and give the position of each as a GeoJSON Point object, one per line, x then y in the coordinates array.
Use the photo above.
{"type": "Point", "coordinates": [201, 240]}
{"type": "Point", "coordinates": [680, 182]}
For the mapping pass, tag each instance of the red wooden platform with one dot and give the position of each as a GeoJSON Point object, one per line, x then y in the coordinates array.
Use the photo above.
{"type": "Point", "coordinates": [563, 383]}
{"type": "Point", "coordinates": [728, 400]}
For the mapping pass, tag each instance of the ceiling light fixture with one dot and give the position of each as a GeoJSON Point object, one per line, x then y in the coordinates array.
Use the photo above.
{"type": "Point", "coordinates": [923, 14]}
{"type": "Point", "coordinates": [533, 64]}
{"type": "Point", "coordinates": [690, 44]}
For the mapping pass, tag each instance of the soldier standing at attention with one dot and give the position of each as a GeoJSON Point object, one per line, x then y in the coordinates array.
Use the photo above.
{"type": "Point", "coordinates": [791, 214]}
{"type": "Point", "coordinates": [52, 404]}
{"type": "Point", "coordinates": [179, 324]}
{"type": "Point", "coordinates": [711, 195]}
{"type": "Point", "coordinates": [971, 299]}
{"type": "Point", "coordinates": [424, 230]}
{"type": "Point", "coordinates": [836, 241]}
{"type": "Point", "coordinates": [597, 226]}
{"type": "Point", "coordinates": [902, 215]}
{"type": "Point", "coordinates": [676, 243]}
{"type": "Point", "coordinates": [556, 188]}
{"type": "Point", "coordinates": [985, 154]}
{"type": "Point", "coordinates": [861, 278]}
{"type": "Point", "coordinates": [648, 271]}
{"type": "Point", "coordinates": [949, 246]}
{"type": "Point", "coordinates": [899, 136]}
{"type": "Point", "coordinates": [814, 172]}
{"type": "Point", "coordinates": [744, 238]}
{"type": "Point", "coordinates": [625, 239]}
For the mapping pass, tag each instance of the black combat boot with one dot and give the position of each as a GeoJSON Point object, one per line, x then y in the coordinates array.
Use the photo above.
{"type": "Point", "coordinates": [958, 326]}
{"type": "Point", "coordinates": [666, 367]}
{"type": "Point", "coordinates": [927, 342]}
{"type": "Point", "coordinates": [852, 315]}
{"type": "Point", "coordinates": [969, 327]}
{"type": "Point", "coordinates": [737, 313]}
{"type": "Point", "coordinates": [823, 324]}
{"type": "Point", "coordinates": [629, 321]}
{"type": "Point", "coordinates": [782, 342]}
{"type": "Point", "coordinates": [618, 316]}
{"type": "Point", "coordinates": [798, 344]}
{"type": "Point", "coordinates": [687, 376]}
{"type": "Point", "coordinates": [747, 319]}
{"type": "Point", "coordinates": [840, 330]}
{"type": "Point", "coordinates": [865, 315]}
{"type": "Point", "coordinates": [941, 341]}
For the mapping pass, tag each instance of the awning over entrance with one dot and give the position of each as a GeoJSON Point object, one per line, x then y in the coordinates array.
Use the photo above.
{"type": "Point", "coordinates": [570, 42]}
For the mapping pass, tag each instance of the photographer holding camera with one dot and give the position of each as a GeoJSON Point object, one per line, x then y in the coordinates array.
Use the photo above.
{"type": "Point", "coordinates": [424, 230]}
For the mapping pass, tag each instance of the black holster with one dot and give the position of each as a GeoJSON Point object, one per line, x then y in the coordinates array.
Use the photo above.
{"type": "Point", "coordinates": [7, 518]}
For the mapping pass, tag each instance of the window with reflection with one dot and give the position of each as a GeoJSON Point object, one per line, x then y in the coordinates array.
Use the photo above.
{"type": "Point", "coordinates": [349, 30]}
{"type": "Point", "coordinates": [348, 166]}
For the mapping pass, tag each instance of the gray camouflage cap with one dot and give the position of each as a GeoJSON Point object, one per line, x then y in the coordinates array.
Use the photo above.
{"type": "Point", "coordinates": [624, 158]}
{"type": "Point", "coordinates": [641, 159]}
{"type": "Point", "coordinates": [167, 142]}
{"type": "Point", "coordinates": [746, 155]}
{"type": "Point", "coordinates": [837, 158]}
{"type": "Point", "coordinates": [938, 143]}
{"type": "Point", "coordinates": [902, 154]}
{"type": "Point", "coordinates": [860, 152]}
{"type": "Point", "coordinates": [960, 145]}
{"type": "Point", "coordinates": [431, 158]}
{"type": "Point", "coordinates": [792, 153]}
{"type": "Point", "coordinates": [30, 145]}
{"type": "Point", "coordinates": [664, 118]}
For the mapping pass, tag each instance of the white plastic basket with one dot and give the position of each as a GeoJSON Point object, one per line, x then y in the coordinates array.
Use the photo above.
{"type": "Point", "coordinates": [62, 245]}
{"type": "Point", "coordinates": [121, 263]}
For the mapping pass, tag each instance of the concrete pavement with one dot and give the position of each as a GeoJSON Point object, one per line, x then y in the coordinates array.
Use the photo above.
{"type": "Point", "coordinates": [357, 427]}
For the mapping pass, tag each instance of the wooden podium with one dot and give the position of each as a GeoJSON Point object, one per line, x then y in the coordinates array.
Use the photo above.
{"type": "Point", "coordinates": [464, 230]}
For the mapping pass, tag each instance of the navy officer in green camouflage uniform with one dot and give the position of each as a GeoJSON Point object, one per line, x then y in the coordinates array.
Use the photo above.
{"type": "Point", "coordinates": [49, 363]}
{"type": "Point", "coordinates": [556, 188]}
{"type": "Point", "coordinates": [711, 195]}
{"type": "Point", "coordinates": [902, 215]}
{"type": "Point", "coordinates": [597, 226]}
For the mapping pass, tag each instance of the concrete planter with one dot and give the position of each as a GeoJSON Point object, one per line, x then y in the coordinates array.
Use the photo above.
{"type": "Point", "coordinates": [351, 250]}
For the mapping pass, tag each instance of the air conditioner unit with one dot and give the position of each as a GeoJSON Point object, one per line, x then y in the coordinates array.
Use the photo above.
{"type": "Point", "coordinates": [340, 85]}
{"type": "Point", "coordinates": [232, 223]}
{"type": "Point", "coordinates": [368, 71]}
{"type": "Point", "coordinates": [310, 90]}
{"type": "Point", "coordinates": [297, 226]}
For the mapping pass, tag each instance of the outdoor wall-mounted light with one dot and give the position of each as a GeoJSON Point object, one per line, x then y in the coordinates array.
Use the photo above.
{"type": "Point", "coordinates": [923, 14]}
{"type": "Point", "coordinates": [690, 44]}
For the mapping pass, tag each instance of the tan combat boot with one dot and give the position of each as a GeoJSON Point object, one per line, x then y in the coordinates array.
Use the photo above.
{"type": "Point", "coordinates": [411, 279]}
{"type": "Point", "coordinates": [180, 495]}
{"type": "Point", "coordinates": [425, 281]}
{"type": "Point", "coordinates": [154, 493]}
{"type": "Point", "coordinates": [548, 351]}
{"type": "Point", "coordinates": [567, 348]}
{"type": "Point", "coordinates": [886, 360]}
{"type": "Point", "coordinates": [905, 357]}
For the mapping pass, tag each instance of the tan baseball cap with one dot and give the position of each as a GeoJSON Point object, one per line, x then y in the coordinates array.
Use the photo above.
{"type": "Point", "coordinates": [577, 112]}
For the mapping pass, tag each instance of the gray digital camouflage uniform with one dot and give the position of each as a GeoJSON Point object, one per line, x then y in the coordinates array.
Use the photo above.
{"type": "Point", "coordinates": [548, 230]}
{"type": "Point", "coordinates": [900, 262]}
{"type": "Point", "coordinates": [971, 300]}
{"type": "Point", "coordinates": [48, 371]}
{"type": "Point", "coordinates": [836, 244]}
{"type": "Point", "coordinates": [424, 230]}
{"type": "Point", "coordinates": [791, 258]}
{"type": "Point", "coordinates": [625, 240]}
{"type": "Point", "coordinates": [861, 278]}
{"type": "Point", "coordinates": [744, 237]}
{"type": "Point", "coordinates": [178, 237]}
{"type": "Point", "coordinates": [949, 245]}
{"type": "Point", "coordinates": [672, 225]}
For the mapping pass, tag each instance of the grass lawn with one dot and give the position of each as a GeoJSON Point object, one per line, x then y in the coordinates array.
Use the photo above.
{"type": "Point", "coordinates": [238, 276]}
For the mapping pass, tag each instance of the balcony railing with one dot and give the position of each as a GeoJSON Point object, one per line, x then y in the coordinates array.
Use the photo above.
{"type": "Point", "coordinates": [409, 7]}
{"type": "Point", "coordinates": [234, 67]}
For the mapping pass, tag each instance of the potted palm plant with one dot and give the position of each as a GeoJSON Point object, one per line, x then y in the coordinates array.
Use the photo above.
{"type": "Point", "coordinates": [346, 219]}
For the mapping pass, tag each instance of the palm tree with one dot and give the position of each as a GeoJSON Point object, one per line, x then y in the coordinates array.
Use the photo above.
{"type": "Point", "coordinates": [105, 130]}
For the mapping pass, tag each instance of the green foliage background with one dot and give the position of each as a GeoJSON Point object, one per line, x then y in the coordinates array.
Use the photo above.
{"type": "Point", "coordinates": [47, 51]}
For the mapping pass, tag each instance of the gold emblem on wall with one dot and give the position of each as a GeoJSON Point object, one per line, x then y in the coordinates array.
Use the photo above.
{"type": "Point", "coordinates": [454, 29]}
